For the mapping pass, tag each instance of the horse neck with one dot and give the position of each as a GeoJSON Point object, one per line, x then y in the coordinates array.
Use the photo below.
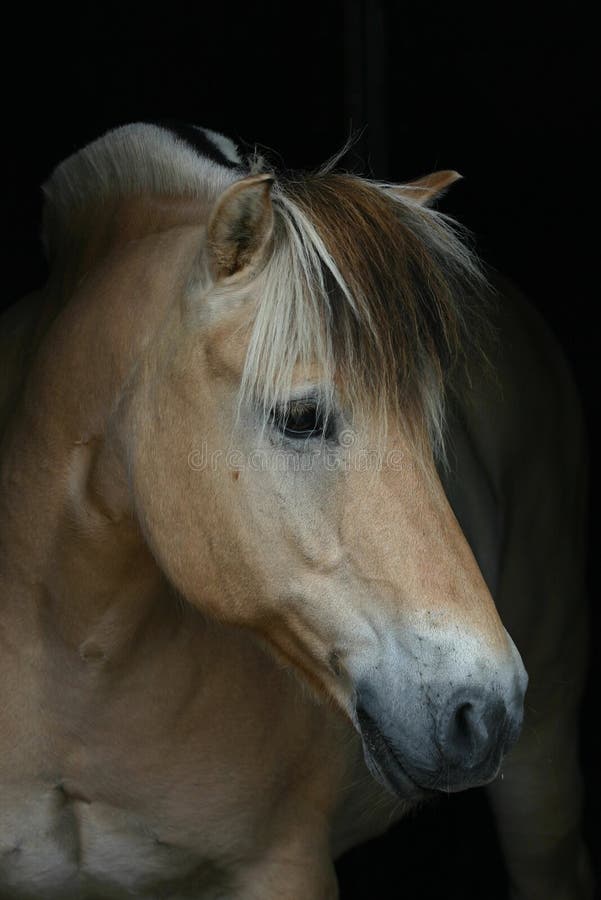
{"type": "Point", "coordinates": [76, 568]}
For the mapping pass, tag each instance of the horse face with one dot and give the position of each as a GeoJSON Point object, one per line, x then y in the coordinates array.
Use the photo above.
{"type": "Point", "coordinates": [349, 564]}
{"type": "Point", "coordinates": [367, 586]}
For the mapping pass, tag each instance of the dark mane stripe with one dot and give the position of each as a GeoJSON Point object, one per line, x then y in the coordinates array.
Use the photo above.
{"type": "Point", "coordinates": [198, 139]}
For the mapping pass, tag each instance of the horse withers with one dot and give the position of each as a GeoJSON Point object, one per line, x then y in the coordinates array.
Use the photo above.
{"type": "Point", "coordinates": [270, 449]}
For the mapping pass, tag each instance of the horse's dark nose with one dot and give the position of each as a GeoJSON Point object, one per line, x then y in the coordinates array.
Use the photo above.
{"type": "Point", "coordinates": [472, 731]}
{"type": "Point", "coordinates": [448, 740]}
{"type": "Point", "coordinates": [456, 745]}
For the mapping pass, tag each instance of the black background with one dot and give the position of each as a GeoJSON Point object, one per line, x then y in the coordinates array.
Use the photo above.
{"type": "Point", "coordinates": [506, 97]}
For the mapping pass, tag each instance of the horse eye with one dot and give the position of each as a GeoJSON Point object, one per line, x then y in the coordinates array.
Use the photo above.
{"type": "Point", "coordinates": [299, 419]}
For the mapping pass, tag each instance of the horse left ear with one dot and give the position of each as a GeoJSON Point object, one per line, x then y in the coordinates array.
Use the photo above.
{"type": "Point", "coordinates": [240, 225]}
{"type": "Point", "coordinates": [427, 189]}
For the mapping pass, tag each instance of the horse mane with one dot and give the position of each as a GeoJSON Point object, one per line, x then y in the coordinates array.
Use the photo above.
{"type": "Point", "coordinates": [135, 160]}
{"type": "Point", "coordinates": [378, 291]}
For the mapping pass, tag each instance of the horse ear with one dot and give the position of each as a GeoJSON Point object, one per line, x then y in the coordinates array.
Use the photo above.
{"type": "Point", "coordinates": [240, 225]}
{"type": "Point", "coordinates": [427, 189]}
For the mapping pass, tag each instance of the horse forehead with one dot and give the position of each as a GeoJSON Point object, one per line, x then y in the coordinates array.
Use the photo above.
{"type": "Point", "coordinates": [227, 341]}
{"type": "Point", "coordinates": [227, 347]}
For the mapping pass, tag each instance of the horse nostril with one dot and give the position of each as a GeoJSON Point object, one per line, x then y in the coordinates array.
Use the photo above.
{"type": "Point", "coordinates": [469, 731]}
{"type": "Point", "coordinates": [462, 723]}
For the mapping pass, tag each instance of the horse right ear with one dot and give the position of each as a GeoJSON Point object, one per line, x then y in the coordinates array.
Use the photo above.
{"type": "Point", "coordinates": [427, 189]}
{"type": "Point", "coordinates": [240, 226]}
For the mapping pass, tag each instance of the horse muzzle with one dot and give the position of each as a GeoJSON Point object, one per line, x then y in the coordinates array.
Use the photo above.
{"type": "Point", "coordinates": [452, 744]}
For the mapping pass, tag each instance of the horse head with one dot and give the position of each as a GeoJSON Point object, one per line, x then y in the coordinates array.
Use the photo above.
{"type": "Point", "coordinates": [281, 432]}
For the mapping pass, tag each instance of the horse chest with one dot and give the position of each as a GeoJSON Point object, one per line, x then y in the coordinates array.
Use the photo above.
{"type": "Point", "coordinates": [57, 843]}
{"type": "Point", "coordinates": [163, 783]}
{"type": "Point", "coordinates": [121, 791]}
{"type": "Point", "coordinates": [97, 807]}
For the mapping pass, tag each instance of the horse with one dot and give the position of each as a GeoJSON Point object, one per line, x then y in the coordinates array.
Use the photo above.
{"type": "Point", "coordinates": [278, 460]}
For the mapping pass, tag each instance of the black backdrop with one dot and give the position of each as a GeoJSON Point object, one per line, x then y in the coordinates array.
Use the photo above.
{"type": "Point", "coordinates": [505, 99]}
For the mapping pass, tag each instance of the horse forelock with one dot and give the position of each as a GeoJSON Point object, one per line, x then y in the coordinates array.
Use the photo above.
{"type": "Point", "coordinates": [378, 292]}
